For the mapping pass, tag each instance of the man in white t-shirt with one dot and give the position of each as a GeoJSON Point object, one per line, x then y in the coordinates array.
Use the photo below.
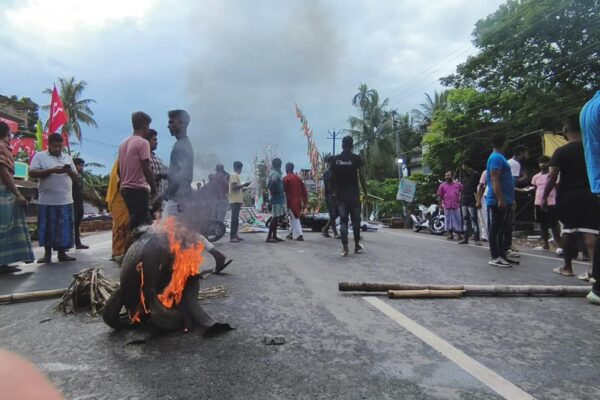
{"type": "Point", "coordinates": [236, 199]}
{"type": "Point", "coordinates": [520, 155]}
{"type": "Point", "coordinates": [55, 171]}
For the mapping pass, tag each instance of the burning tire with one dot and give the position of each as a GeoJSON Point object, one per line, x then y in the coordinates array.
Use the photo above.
{"type": "Point", "coordinates": [147, 270]}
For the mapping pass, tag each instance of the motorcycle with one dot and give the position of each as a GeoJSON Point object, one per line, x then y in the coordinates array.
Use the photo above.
{"type": "Point", "coordinates": [429, 218]}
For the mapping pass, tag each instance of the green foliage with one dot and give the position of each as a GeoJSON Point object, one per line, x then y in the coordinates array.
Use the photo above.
{"type": "Point", "coordinates": [32, 111]}
{"type": "Point", "coordinates": [387, 190]}
{"type": "Point", "coordinates": [381, 134]}
{"type": "Point", "coordinates": [78, 110]}
{"type": "Point", "coordinates": [426, 193]}
{"type": "Point", "coordinates": [537, 62]}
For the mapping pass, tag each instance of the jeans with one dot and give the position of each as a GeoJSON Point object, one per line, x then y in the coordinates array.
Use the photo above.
{"type": "Point", "coordinates": [510, 226]}
{"type": "Point", "coordinates": [470, 223]}
{"type": "Point", "coordinates": [352, 209]}
{"type": "Point", "coordinates": [137, 201]}
{"type": "Point", "coordinates": [235, 219]}
{"type": "Point", "coordinates": [78, 215]}
{"type": "Point", "coordinates": [499, 222]}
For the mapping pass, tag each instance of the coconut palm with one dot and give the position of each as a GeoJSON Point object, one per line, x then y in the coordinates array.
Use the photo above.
{"type": "Point", "coordinates": [78, 110]}
{"type": "Point", "coordinates": [424, 116]}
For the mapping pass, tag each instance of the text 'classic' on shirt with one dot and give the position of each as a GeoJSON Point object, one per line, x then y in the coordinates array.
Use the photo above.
{"type": "Point", "coordinates": [344, 176]}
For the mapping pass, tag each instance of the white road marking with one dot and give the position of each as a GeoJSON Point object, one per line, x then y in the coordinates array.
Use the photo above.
{"type": "Point", "coordinates": [485, 375]}
{"type": "Point", "coordinates": [416, 236]}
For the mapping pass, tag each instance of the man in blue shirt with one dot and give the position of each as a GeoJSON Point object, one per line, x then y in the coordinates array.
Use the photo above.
{"type": "Point", "coordinates": [499, 200]}
{"type": "Point", "coordinates": [590, 126]}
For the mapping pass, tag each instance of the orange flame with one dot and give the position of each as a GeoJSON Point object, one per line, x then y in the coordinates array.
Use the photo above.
{"type": "Point", "coordinates": [136, 317]}
{"type": "Point", "coordinates": [186, 264]}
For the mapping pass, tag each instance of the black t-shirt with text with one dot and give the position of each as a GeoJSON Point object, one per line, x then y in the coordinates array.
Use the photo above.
{"type": "Point", "coordinates": [344, 176]}
{"type": "Point", "coordinates": [570, 159]}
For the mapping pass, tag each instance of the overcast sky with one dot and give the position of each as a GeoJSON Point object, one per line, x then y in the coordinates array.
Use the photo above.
{"type": "Point", "coordinates": [236, 66]}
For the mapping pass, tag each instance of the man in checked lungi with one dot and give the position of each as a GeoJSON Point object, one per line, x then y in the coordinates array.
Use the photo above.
{"type": "Point", "coordinates": [55, 171]}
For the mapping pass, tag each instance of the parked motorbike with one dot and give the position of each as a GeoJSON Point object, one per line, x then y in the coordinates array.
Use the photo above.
{"type": "Point", "coordinates": [429, 218]}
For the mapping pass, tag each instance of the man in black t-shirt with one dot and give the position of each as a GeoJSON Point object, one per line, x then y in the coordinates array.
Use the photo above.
{"type": "Point", "coordinates": [331, 206]}
{"type": "Point", "coordinates": [575, 202]}
{"type": "Point", "coordinates": [470, 182]}
{"type": "Point", "coordinates": [346, 170]}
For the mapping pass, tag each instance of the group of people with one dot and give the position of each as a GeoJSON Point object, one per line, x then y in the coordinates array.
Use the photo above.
{"type": "Point", "coordinates": [60, 204]}
{"type": "Point", "coordinates": [567, 190]}
{"type": "Point", "coordinates": [142, 188]}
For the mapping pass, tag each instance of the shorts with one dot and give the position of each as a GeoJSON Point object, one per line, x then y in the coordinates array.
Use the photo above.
{"type": "Point", "coordinates": [546, 217]}
{"type": "Point", "coordinates": [578, 212]}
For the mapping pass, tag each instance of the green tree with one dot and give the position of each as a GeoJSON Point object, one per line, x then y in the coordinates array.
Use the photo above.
{"type": "Point", "coordinates": [372, 132]}
{"type": "Point", "coordinates": [78, 110]}
{"type": "Point", "coordinates": [538, 61]}
{"type": "Point", "coordinates": [424, 116]}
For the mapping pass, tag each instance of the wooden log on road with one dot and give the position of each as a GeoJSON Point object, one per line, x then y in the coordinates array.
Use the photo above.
{"type": "Point", "coordinates": [471, 290]}
{"type": "Point", "coordinates": [384, 287]}
{"type": "Point", "coordinates": [28, 296]}
{"type": "Point", "coordinates": [424, 294]}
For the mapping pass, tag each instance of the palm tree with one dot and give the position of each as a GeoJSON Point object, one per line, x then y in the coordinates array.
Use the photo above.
{"type": "Point", "coordinates": [424, 116]}
{"type": "Point", "coordinates": [78, 110]}
{"type": "Point", "coordinates": [371, 130]}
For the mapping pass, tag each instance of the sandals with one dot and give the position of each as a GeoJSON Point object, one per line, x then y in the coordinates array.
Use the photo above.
{"type": "Point", "coordinates": [6, 269]}
{"type": "Point", "coordinates": [585, 276]}
{"type": "Point", "coordinates": [218, 269]}
{"type": "Point", "coordinates": [560, 271]}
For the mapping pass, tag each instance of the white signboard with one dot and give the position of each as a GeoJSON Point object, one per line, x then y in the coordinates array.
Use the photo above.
{"type": "Point", "coordinates": [406, 190]}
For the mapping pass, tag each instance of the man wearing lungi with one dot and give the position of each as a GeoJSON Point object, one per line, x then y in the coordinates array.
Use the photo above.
{"type": "Point", "coordinates": [55, 171]}
{"type": "Point", "coordinates": [449, 198]}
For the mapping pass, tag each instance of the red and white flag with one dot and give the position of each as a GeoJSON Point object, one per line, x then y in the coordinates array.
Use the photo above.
{"type": "Point", "coordinates": [58, 117]}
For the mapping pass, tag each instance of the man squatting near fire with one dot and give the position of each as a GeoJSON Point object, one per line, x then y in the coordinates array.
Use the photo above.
{"type": "Point", "coordinates": [180, 175]}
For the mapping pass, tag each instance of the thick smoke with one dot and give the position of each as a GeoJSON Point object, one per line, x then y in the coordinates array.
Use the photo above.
{"type": "Point", "coordinates": [250, 62]}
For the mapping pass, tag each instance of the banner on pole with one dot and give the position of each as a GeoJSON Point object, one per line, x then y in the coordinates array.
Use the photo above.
{"type": "Point", "coordinates": [406, 190]}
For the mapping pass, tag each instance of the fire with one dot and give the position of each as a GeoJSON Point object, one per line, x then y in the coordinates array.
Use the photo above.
{"type": "Point", "coordinates": [186, 263]}
{"type": "Point", "coordinates": [136, 317]}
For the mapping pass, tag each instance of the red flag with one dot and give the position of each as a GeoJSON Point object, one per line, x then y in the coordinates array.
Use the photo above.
{"type": "Point", "coordinates": [58, 117]}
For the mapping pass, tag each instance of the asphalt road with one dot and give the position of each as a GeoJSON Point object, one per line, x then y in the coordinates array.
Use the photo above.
{"type": "Point", "coordinates": [338, 346]}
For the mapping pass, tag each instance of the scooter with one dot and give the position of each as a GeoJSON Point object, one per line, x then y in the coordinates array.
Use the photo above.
{"type": "Point", "coordinates": [429, 218]}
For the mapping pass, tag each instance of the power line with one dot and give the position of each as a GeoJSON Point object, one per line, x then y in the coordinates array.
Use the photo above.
{"type": "Point", "coordinates": [441, 65]}
{"type": "Point", "coordinates": [497, 31]}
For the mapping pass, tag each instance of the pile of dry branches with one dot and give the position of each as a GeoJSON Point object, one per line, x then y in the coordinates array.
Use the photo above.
{"type": "Point", "coordinates": [90, 289]}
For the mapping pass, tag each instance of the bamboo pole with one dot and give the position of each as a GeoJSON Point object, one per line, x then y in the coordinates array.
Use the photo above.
{"type": "Point", "coordinates": [28, 296]}
{"type": "Point", "coordinates": [424, 293]}
{"type": "Point", "coordinates": [471, 290]}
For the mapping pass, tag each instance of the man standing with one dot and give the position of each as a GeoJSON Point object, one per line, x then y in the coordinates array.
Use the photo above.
{"type": "Point", "coordinates": [157, 166]}
{"type": "Point", "coordinates": [482, 206]}
{"type": "Point", "coordinates": [78, 201]}
{"type": "Point", "coordinates": [449, 199]}
{"type": "Point", "coordinates": [499, 200]}
{"type": "Point", "coordinates": [275, 185]}
{"type": "Point", "coordinates": [468, 202]}
{"type": "Point", "coordinates": [136, 177]}
{"type": "Point", "coordinates": [55, 171]}
{"type": "Point", "coordinates": [576, 205]}
{"type": "Point", "coordinates": [297, 199]}
{"type": "Point", "coordinates": [181, 172]}
{"type": "Point", "coordinates": [331, 205]}
{"type": "Point", "coordinates": [346, 171]}
{"type": "Point", "coordinates": [520, 155]}
{"type": "Point", "coordinates": [590, 122]}
{"type": "Point", "coordinates": [545, 216]}
{"type": "Point", "coordinates": [236, 199]}
{"type": "Point", "coordinates": [15, 245]}
{"type": "Point", "coordinates": [221, 178]}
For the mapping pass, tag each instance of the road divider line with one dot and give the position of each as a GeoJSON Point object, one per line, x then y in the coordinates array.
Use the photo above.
{"type": "Point", "coordinates": [416, 236]}
{"type": "Point", "coordinates": [497, 383]}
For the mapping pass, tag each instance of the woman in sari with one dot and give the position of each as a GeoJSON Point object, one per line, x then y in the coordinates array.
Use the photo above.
{"type": "Point", "coordinates": [15, 245]}
{"type": "Point", "coordinates": [120, 215]}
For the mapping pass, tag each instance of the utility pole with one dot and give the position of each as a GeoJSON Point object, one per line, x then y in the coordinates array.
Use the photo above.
{"type": "Point", "coordinates": [333, 136]}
